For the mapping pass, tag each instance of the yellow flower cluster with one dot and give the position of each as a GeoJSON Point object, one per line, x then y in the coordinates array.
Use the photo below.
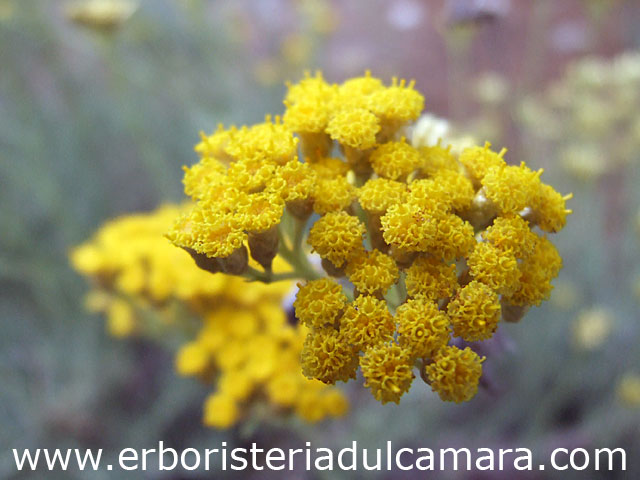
{"type": "Point", "coordinates": [430, 241]}
{"type": "Point", "coordinates": [238, 337]}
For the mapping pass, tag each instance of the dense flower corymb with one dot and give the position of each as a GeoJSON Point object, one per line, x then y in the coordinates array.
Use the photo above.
{"type": "Point", "coordinates": [418, 242]}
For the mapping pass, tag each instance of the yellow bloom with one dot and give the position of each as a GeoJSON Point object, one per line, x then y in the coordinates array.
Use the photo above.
{"type": "Point", "coordinates": [478, 160]}
{"type": "Point", "coordinates": [537, 271]}
{"type": "Point", "coordinates": [237, 384]}
{"type": "Point", "coordinates": [328, 167]}
{"type": "Point", "coordinates": [394, 160]}
{"type": "Point", "coordinates": [310, 87]}
{"type": "Point", "coordinates": [355, 92]}
{"type": "Point", "coordinates": [326, 356]}
{"type": "Point", "coordinates": [436, 158]}
{"type": "Point", "coordinates": [424, 211]}
{"type": "Point", "coordinates": [454, 238]}
{"type": "Point", "coordinates": [511, 188]}
{"type": "Point", "coordinates": [294, 181]}
{"type": "Point", "coordinates": [310, 407]}
{"type": "Point", "coordinates": [319, 302]}
{"type": "Point", "coordinates": [332, 195]}
{"type": "Point", "coordinates": [450, 188]}
{"type": "Point", "coordinates": [378, 194]}
{"type": "Point", "coordinates": [220, 411]}
{"type": "Point", "coordinates": [245, 348]}
{"type": "Point", "coordinates": [372, 272]}
{"type": "Point", "coordinates": [215, 237]}
{"type": "Point", "coordinates": [387, 371]}
{"type": "Point", "coordinates": [307, 115]}
{"type": "Point", "coordinates": [397, 104]}
{"type": "Point", "coordinates": [258, 212]}
{"type": "Point", "coordinates": [475, 312]}
{"type": "Point", "coordinates": [203, 175]}
{"type": "Point", "coordinates": [455, 373]}
{"type": "Point", "coordinates": [550, 210]}
{"type": "Point", "coordinates": [431, 278]}
{"type": "Point", "coordinates": [272, 142]}
{"type": "Point", "coordinates": [284, 388]}
{"type": "Point", "coordinates": [367, 322]}
{"type": "Point", "coordinates": [356, 128]}
{"type": "Point", "coordinates": [214, 145]}
{"type": "Point", "coordinates": [192, 359]}
{"type": "Point", "coordinates": [87, 259]}
{"type": "Point", "coordinates": [409, 227]}
{"type": "Point", "coordinates": [512, 234]}
{"type": "Point", "coordinates": [337, 236]}
{"type": "Point", "coordinates": [495, 268]}
{"type": "Point", "coordinates": [422, 328]}
{"type": "Point", "coordinates": [248, 175]}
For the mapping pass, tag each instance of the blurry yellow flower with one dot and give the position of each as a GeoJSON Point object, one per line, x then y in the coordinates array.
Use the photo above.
{"type": "Point", "coordinates": [628, 390]}
{"type": "Point", "coordinates": [592, 327]}
{"type": "Point", "coordinates": [100, 14]}
{"type": "Point", "coordinates": [121, 320]}
{"type": "Point", "coordinates": [220, 411]}
{"type": "Point", "coordinates": [192, 359]}
{"type": "Point", "coordinates": [566, 295]}
{"type": "Point", "coordinates": [237, 333]}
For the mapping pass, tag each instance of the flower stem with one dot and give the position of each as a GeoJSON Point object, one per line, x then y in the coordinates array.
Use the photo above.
{"type": "Point", "coordinates": [295, 256]}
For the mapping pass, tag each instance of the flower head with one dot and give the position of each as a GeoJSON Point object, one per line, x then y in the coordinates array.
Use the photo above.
{"type": "Point", "coordinates": [409, 227]}
{"type": "Point", "coordinates": [394, 160]}
{"type": "Point", "coordinates": [319, 302]}
{"type": "Point", "coordinates": [337, 236]}
{"type": "Point", "coordinates": [495, 268]}
{"type": "Point", "coordinates": [327, 357]}
{"type": "Point", "coordinates": [378, 194]}
{"type": "Point", "coordinates": [432, 278]}
{"type": "Point", "coordinates": [367, 322]}
{"type": "Point", "coordinates": [455, 373]}
{"type": "Point", "coordinates": [474, 312]}
{"type": "Point", "coordinates": [387, 371]}
{"type": "Point", "coordinates": [372, 272]}
{"type": "Point", "coordinates": [511, 188]}
{"type": "Point", "coordinates": [356, 128]}
{"type": "Point", "coordinates": [422, 327]}
{"type": "Point", "coordinates": [399, 103]}
{"type": "Point", "coordinates": [478, 160]}
{"type": "Point", "coordinates": [332, 195]}
{"type": "Point", "coordinates": [536, 273]}
{"type": "Point", "coordinates": [512, 234]}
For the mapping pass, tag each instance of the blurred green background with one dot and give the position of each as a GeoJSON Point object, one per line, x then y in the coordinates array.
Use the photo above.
{"type": "Point", "coordinates": [97, 116]}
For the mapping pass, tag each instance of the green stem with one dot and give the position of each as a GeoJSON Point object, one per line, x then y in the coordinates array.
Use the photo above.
{"type": "Point", "coordinates": [254, 275]}
{"type": "Point", "coordinates": [299, 233]}
{"type": "Point", "coordinates": [296, 257]}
